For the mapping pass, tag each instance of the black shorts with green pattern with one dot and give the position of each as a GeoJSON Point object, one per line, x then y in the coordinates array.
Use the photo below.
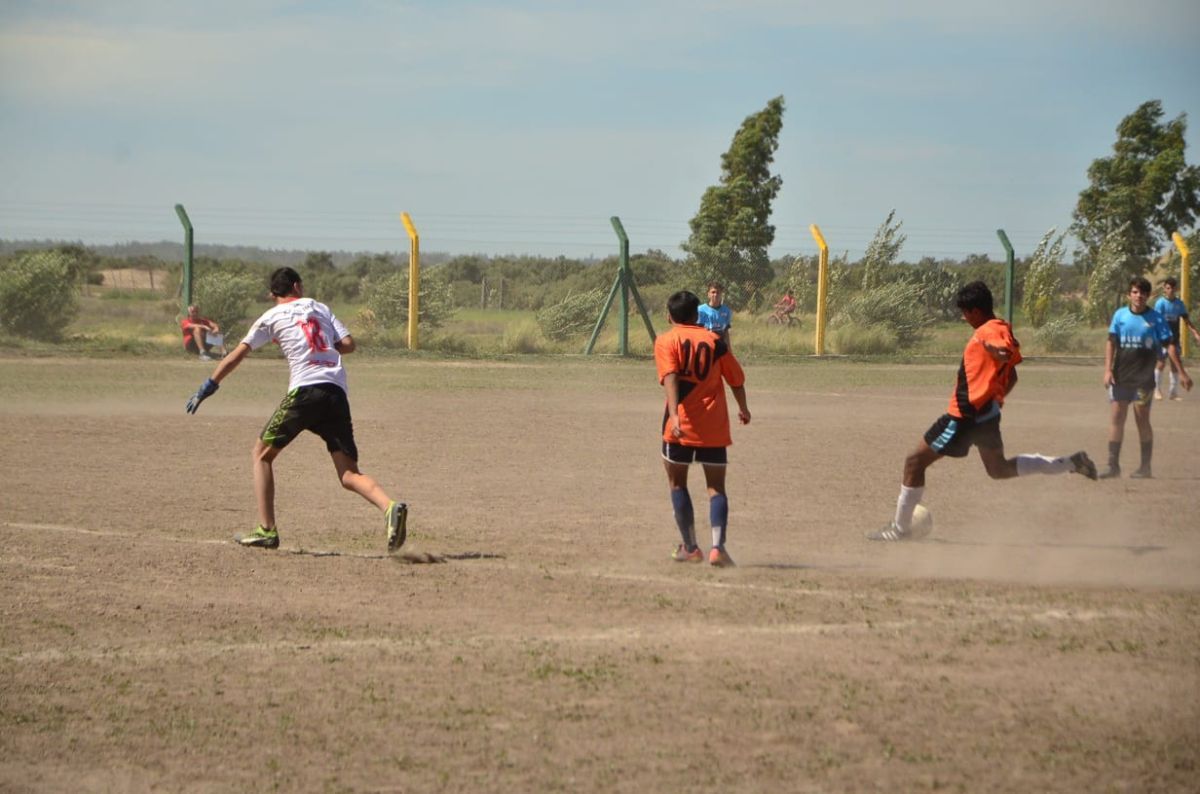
{"type": "Point", "coordinates": [322, 409]}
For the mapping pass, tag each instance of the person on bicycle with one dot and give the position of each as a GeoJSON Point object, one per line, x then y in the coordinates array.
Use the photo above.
{"type": "Point", "coordinates": [785, 308]}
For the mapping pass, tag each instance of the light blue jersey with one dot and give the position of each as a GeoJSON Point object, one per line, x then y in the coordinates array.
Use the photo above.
{"type": "Point", "coordinates": [718, 319]}
{"type": "Point", "coordinates": [1137, 338]}
{"type": "Point", "coordinates": [1171, 310]}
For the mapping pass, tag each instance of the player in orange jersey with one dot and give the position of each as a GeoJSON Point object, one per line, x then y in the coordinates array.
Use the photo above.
{"type": "Point", "coordinates": [986, 375]}
{"type": "Point", "coordinates": [694, 364]}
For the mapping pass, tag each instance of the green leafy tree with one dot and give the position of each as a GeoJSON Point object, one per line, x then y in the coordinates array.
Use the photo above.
{"type": "Point", "coordinates": [1146, 186]}
{"type": "Point", "coordinates": [730, 232]}
{"type": "Point", "coordinates": [801, 278]}
{"type": "Point", "coordinates": [373, 267]}
{"type": "Point", "coordinates": [323, 281]}
{"type": "Point", "coordinates": [573, 316]}
{"type": "Point", "coordinates": [883, 252]}
{"type": "Point", "coordinates": [387, 300]}
{"type": "Point", "coordinates": [1108, 279]}
{"type": "Point", "coordinates": [228, 297]}
{"type": "Point", "coordinates": [81, 259]}
{"type": "Point", "coordinates": [1042, 279]}
{"type": "Point", "coordinates": [39, 294]}
{"type": "Point", "coordinates": [840, 284]}
{"type": "Point", "coordinates": [899, 308]}
{"type": "Point", "coordinates": [939, 290]}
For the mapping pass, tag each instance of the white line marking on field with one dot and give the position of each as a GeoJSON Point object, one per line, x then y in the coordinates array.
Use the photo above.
{"type": "Point", "coordinates": [497, 560]}
{"type": "Point", "coordinates": [107, 533]}
{"type": "Point", "coordinates": [194, 651]}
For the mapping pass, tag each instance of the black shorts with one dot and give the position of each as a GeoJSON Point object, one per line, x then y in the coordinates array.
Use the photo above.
{"type": "Point", "coordinates": [323, 409]}
{"type": "Point", "coordinates": [954, 437]}
{"type": "Point", "coordinates": [709, 456]}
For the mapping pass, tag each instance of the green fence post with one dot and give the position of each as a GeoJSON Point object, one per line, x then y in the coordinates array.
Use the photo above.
{"type": "Point", "coordinates": [1010, 275]}
{"type": "Point", "coordinates": [624, 284]}
{"type": "Point", "coordinates": [186, 283]}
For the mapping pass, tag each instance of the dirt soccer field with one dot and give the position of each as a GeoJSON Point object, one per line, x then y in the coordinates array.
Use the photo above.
{"type": "Point", "coordinates": [1046, 637]}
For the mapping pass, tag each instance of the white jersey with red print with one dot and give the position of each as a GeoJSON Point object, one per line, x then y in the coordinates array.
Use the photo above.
{"type": "Point", "coordinates": [306, 331]}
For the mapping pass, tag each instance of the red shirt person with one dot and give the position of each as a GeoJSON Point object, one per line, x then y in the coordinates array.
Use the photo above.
{"type": "Point", "coordinates": [201, 335]}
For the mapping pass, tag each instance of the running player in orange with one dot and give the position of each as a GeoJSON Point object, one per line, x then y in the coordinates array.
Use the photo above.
{"type": "Point", "coordinates": [986, 375]}
{"type": "Point", "coordinates": [694, 364]}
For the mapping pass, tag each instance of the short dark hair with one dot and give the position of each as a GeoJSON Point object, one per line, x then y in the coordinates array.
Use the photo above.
{"type": "Point", "coordinates": [282, 281]}
{"type": "Point", "coordinates": [716, 285]}
{"type": "Point", "coordinates": [975, 295]}
{"type": "Point", "coordinates": [684, 307]}
{"type": "Point", "coordinates": [1171, 281]}
{"type": "Point", "coordinates": [1142, 283]}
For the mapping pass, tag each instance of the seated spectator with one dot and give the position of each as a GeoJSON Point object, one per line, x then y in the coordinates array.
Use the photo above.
{"type": "Point", "coordinates": [201, 335]}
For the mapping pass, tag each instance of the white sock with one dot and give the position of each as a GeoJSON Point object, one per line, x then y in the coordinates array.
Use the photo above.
{"type": "Point", "coordinates": [905, 504]}
{"type": "Point", "coordinates": [1042, 464]}
{"type": "Point", "coordinates": [1174, 382]}
{"type": "Point", "coordinates": [1157, 378]}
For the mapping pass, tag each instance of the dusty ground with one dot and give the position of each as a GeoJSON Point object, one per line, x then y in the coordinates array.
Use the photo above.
{"type": "Point", "coordinates": [1046, 636]}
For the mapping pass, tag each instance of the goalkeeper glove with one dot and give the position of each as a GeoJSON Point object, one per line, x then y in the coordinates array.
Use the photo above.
{"type": "Point", "coordinates": [206, 390]}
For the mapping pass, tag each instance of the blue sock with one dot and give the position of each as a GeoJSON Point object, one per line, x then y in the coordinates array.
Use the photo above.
{"type": "Point", "coordinates": [685, 519]}
{"type": "Point", "coordinates": [718, 516]}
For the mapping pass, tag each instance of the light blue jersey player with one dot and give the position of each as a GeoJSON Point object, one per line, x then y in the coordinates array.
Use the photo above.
{"type": "Point", "coordinates": [1175, 312]}
{"type": "Point", "coordinates": [714, 315]}
{"type": "Point", "coordinates": [1135, 336]}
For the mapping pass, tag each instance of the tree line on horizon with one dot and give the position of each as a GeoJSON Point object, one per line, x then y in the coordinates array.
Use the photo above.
{"type": "Point", "coordinates": [1134, 200]}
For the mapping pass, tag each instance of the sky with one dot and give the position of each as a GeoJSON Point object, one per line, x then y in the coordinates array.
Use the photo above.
{"type": "Point", "coordinates": [522, 127]}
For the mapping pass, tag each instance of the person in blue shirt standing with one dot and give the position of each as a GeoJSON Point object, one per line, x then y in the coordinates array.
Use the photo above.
{"type": "Point", "coordinates": [714, 315]}
{"type": "Point", "coordinates": [1175, 312]}
{"type": "Point", "coordinates": [1130, 356]}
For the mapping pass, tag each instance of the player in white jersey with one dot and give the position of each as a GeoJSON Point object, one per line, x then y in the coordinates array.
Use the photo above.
{"type": "Point", "coordinates": [313, 341]}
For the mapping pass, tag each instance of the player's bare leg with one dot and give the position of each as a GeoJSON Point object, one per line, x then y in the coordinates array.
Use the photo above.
{"type": "Point", "coordinates": [916, 463]}
{"type": "Point", "coordinates": [912, 488]}
{"type": "Point", "coordinates": [395, 514]}
{"type": "Point", "coordinates": [997, 466]}
{"type": "Point", "coordinates": [265, 534]}
{"type": "Point", "coordinates": [354, 480]}
{"type": "Point", "coordinates": [262, 459]}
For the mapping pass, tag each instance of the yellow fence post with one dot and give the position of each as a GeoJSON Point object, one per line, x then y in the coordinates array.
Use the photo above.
{"type": "Point", "coordinates": [1181, 244]}
{"type": "Point", "coordinates": [822, 289]}
{"type": "Point", "coordinates": [414, 279]}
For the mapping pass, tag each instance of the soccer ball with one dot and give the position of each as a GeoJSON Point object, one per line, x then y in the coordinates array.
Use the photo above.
{"type": "Point", "coordinates": [922, 522]}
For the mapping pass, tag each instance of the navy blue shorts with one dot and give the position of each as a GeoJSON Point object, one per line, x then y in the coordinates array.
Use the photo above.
{"type": "Point", "coordinates": [709, 456]}
{"type": "Point", "coordinates": [323, 409]}
{"type": "Point", "coordinates": [954, 437]}
{"type": "Point", "coordinates": [1138, 395]}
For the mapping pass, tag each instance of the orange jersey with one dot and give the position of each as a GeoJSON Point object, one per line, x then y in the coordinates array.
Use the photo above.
{"type": "Point", "coordinates": [981, 377]}
{"type": "Point", "coordinates": [703, 363]}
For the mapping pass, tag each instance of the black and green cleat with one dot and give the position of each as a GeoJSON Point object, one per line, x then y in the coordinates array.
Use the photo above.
{"type": "Point", "coordinates": [396, 517]}
{"type": "Point", "coordinates": [261, 537]}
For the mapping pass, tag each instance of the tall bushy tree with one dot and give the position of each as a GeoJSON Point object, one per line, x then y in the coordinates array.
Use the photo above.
{"type": "Point", "coordinates": [387, 300]}
{"type": "Point", "coordinates": [1042, 279]}
{"type": "Point", "coordinates": [39, 294]}
{"type": "Point", "coordinates": [882, 252]}
{"type": "Point", "coordinates": [1146, 186]}
{"type": "Point", "coordinates": [228, 297]}
{"type": "Point", "coordinates": [730, 232]}
{"type": "Point", "coordinates": [1106, 283]}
